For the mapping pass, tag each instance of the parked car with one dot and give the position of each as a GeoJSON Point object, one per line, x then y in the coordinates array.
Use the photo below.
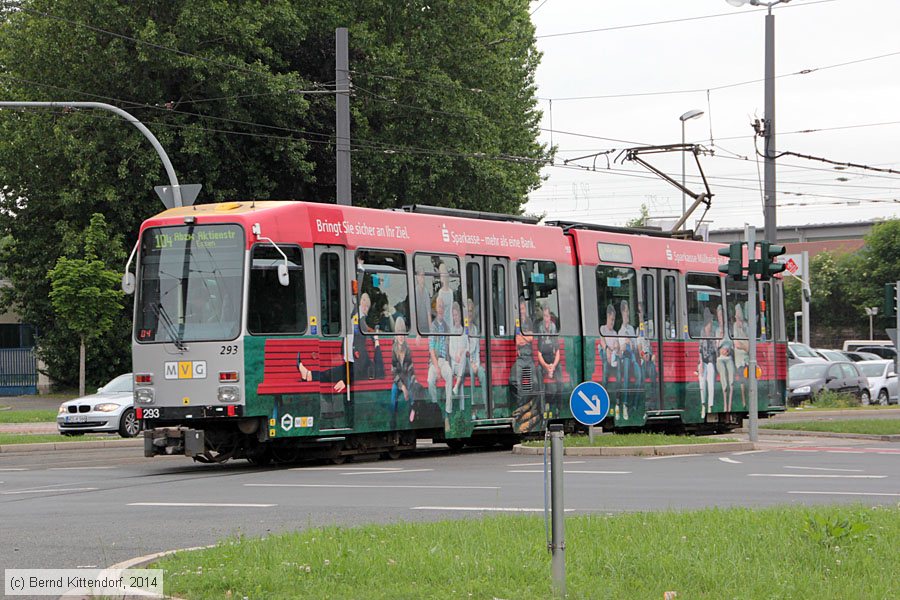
{"type": "Point", "coordinates": [110, 410]}
{"type": "Point", "coordinates": [860, 356]}
{"type": "Point", "coordinates": [851, 345]}
{"type": "Point", "coordinates": [801, 353]}
{"type": "Point", "coordinates": [831, 355]}
{"type": "Point", "coordinates": [881, 351]}
{"type": "Point", "coordinates": [808, 379]}
{"type": "Point", "coordinates": [882, 380]}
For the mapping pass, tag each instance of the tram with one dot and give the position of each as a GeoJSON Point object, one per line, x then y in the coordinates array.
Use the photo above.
{"type": "Point", "coordinates": [286, 330]}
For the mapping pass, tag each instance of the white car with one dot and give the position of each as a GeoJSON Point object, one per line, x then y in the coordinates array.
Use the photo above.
{"type": "Point", "coordinates": [882, 380]}
{"type": "Point", "coordinates": [110, 410]}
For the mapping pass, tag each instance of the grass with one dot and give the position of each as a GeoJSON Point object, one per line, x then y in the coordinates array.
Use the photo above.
{"type": "Point", "coordinates": [28, 416]}
{"type": "Point", "coordinates": [813, 407]}
{"type": "Point", "coordinates": [32, 438]}
{"type": "Point", "coordinates": [824, 552]}
{"type": "Point", "coordinates": [632, 439]}
{"type": "Point", "coordinates": [871, 426]}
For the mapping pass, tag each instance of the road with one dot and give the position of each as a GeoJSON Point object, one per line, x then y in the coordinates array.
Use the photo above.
{"type": "Point", "coordinates": [98, 507]}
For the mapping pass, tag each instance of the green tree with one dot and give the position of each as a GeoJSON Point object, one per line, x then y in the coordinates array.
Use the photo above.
{"type": "Point", "coordinates": [640, 220]}
{"type": "Point", "coordinates": [84, 291]}
{"type": "Point", "coordinates": [443, 112]}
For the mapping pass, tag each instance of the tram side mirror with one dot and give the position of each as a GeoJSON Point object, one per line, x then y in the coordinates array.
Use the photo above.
{"type": "Point", "coordinates": [283, 277]}
{"type": "Point", "coordinates": [128, 283]}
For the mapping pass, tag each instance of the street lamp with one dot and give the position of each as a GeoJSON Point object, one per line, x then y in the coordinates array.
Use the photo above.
{"type": "Point", "coordinates": [798, 313]}
{"type": "Point", "coordinates": [691, 114]}
{"type": "Point", "coordinates": [771, 234]}
{"type": "Point", "coordinates": [871, 312]}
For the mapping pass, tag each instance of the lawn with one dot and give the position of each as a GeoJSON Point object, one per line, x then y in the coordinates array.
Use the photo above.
{"type": "Point", "coordinates": [27, 416]}
{"type": "Point", "coordinates": [31, 438]}
{"type": "Point", "coordinates": [871, 426]}
{"type": "Point", "coordinates": [633, 439]}
{"type": "Point", "coordinates": [843, 552]}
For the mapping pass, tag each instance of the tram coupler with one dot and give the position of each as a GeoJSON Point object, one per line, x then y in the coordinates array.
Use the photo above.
{"type": "Point", "coordinates": [167, 441]}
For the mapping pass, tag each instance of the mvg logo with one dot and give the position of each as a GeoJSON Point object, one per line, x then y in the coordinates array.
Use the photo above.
{"type": "Point", "coordinates": [186, 369]}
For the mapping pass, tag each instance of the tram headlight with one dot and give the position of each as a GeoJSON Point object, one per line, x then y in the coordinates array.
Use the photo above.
{"type": "Point", "coordinates": [803, 389]}
{"type": "Point", "coordinates": [229, 393]}
{"type": "Point", "coordinates": [143, 395]}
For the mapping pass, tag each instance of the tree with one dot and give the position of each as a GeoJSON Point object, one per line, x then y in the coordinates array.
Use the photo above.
{"type": "Point", "coordinates": [641, 220]}
{"type": "Point", "coordinates": [84, 292]}
{"type": "Point", "coordinates": [443, 112]}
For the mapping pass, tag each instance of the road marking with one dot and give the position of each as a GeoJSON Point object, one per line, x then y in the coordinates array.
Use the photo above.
{"type": "Point", "coordinates": [670, 456]}
{"type": "Point", "coordinates": [388, 472]}
{"type": "Point", "coordinates": [826, 469]}
{"type": "Point", "coordinates": [14, 469]}
{"type": "Point", "coordinates": [350, 485]}
{"type": "Point", "coordinates": [346, 469]}
{"type": "Point", "coordinates": [84, 489]}
{"type": "Point", "coordinates": [848, 493]}
{"type": "Point", "coordinates": [202, 504]}
{"type": "Point", "coordinates": [730, 460]}
{"type": "Point", "coordinates": [484, 508]}
{"type": "Point", "coordinates": [842, 450]}
{"type": "Point", "coordinates": [568, 472]}
{"type": "Point", "coordinates": [800, 475]}
{"type": "Point", "coordinates": [748, 452]}
{"type": "Point", "coordinates": [540, 464]}
{"type": "Point", "coordinates": [77, 468]}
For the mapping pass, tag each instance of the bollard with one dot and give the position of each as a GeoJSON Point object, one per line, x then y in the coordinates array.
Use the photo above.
{"type": "Point", "coordinates": [558, 532]}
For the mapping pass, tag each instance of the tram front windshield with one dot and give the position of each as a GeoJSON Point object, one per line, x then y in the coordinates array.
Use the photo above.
{"type": "Point", "coordinates": [190, 284]}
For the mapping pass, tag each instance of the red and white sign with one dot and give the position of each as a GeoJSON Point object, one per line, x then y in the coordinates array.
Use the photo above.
{"type": "Point", "coordinates": [791, 266]}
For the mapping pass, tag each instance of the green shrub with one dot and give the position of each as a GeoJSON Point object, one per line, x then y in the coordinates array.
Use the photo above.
{"type": "Point", "coordinates": [832, 399]}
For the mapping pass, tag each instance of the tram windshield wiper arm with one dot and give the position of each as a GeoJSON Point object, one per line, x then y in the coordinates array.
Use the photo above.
{"type": "Point", "coordinates": [160, 311]}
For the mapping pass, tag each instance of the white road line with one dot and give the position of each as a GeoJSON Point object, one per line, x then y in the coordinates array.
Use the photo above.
{"type": "Point", "coordinates": [388, 472]}
{"type": "Point", "coordinates": [14, 469]}
{"type": "Point", "coordinates": [401, 487]}
{"type": "Point", "coordinates": [201, 504]}
{"type": "Point", "coordinates": [77, 468]}
{"type": "Point", "coordinates": [484, 508]}
{"type": "Point", "coordinates": [569, 471]}
{"type": "Point", "coordinates": [848, 493]}
{"type": "Point", "coordinates": [799, 475]}
{"type": "Point", "coordinates": [845, 451]}
{"type": "Point", "coordinates": [748, 452]}
{"type": "Point", "coordinates": [670, 456]}
{"type": "Point", "coordinates": [346, 469]}
{"type": "Point", "coordinates": [540, 464]}
{"type": "Point", "coordinates": [84, 489]}
{"type": "Point", "coordinates": [826, 469]}
{"type": "Point", "coordinates": [730, 460]}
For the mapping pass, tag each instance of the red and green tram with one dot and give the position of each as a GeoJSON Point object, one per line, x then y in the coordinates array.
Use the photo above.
{"type": "Point", "coordinates": [289, 329]}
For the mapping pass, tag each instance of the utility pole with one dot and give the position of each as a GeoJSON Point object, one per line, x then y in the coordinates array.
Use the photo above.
{"type": "Point", "coordinates": [770, 234]}
{"type": "Point", "coordinates": [750, 236]}
{"type": "Point", "coordinates": [342, 115]}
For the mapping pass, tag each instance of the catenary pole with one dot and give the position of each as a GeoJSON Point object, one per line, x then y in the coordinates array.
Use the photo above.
{"type": "Point", "coordinates": [342, 115]}
{"type": "Point", "coordinates": [750, 236]}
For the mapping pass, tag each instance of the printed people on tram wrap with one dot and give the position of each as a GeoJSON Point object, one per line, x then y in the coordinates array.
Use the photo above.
{"type": "Point", "coordinates": [741, 349]}
{"type": "Point", "coordinates": [549, 358]}
{"type": "Point", "coordinates": [725, 360]}
{"type": "Point", "coordinates": [608, 347]}
{"type": "Point", "coordinates": [404, 373]}
{"type": "Point", "coordinates": [646, 357]}
{"type": "Point", "coordinates": [474, 368]}
{"type": "Point", "coordinates": [628, 363]}
{"type": "Point", "coordinates": [439, 353]}
{"type": "Point", "coordinates": [459, 348]}
{"type": "Point", "coordinates": [706, 368]}
{"type": "Point", "coordinates": [527, 414]}
{"type": "Point", "coordinates": [423, 302]}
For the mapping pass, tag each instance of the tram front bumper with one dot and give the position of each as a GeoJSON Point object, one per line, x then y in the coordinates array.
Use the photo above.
{"type": "Point", "coordinates": [167, 441]}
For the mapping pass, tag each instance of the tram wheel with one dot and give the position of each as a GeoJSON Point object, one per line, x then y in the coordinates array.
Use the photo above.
{"type": "Point", "coordinates": [391, 454]}
{"type": "Point", "coordinates": [338, 460]}
{"type": "Point", "coordinates": [455, 444]}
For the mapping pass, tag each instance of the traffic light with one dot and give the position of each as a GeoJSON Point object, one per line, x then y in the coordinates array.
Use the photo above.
{"type": "Point", "coordinates": [768, 252]}
{"type": "Point", "coordinates": [890, 299]}
{"type": "Point", "coordinates": [734, 268]}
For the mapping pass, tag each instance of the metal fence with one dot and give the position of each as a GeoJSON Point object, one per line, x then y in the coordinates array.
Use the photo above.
{"type": "Point", "coordinates": [18, 372]}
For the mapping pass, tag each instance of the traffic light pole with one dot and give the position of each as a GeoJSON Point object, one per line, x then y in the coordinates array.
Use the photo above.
{"type": "Point", "coordinates": [897, 342]}
{"type": "Point", "coordinates": [750, 236]}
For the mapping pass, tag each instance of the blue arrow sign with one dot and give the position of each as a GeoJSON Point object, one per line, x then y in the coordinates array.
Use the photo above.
{"type": "Point", "coordinates": [589, 403]}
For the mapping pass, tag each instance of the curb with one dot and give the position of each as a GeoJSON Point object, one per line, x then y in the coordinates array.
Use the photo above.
{"type": "Point", "coordinates": [53, 446]}
{"type": "Point", "coordinates": [671, 450]}
{"type": "Point", "coordinates": [828, 434]}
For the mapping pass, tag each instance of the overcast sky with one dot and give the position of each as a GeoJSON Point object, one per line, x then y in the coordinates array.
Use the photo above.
{"type": "Point", "coordinates": [855, 107]}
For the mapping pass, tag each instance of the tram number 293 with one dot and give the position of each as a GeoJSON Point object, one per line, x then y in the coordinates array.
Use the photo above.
{"type": "Point", "coordinates": [151, 413]}
{"type": "Point", "coordinates": [226, 350]}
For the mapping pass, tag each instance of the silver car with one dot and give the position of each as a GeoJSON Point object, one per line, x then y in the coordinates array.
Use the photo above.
{"type": "Point", "coordinates": [882, 380]}
{"type": "Point", "coordinates": [110, 410]}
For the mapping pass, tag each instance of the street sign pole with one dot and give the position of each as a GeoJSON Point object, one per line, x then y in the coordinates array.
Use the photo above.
{"type": "Point", "coordinates": [750, 236]}
{"type": "Point", "coordinates": [557, 509]}
{"type": "Point", "coordinates": [805, 295]}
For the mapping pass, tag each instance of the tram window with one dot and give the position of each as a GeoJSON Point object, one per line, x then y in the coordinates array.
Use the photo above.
{"type": "Point", "coordinates": [538, 286]}
{"type": "Point", "coordinates": [646, 317]}
{"type": "Point", "coordinates": [704, 294]}
{"type": "Point", "coordinates": [473, 302]}
{"type": "Point", "coordinates": [617, 300]}
{"type": "Point", "coordinates": [385, 283]}
{"type": "Point", "coordinates": [330, 293]}
{"type": "Point", "coordinates": [272, 307]}
{"type": "Point", "coordinates": [736, 301]}
{"type": "Point", "coordinates": [670, 307]}
{"type": "Point", "coordinates": [498, 300]}
{"type": "Point", "coordinates": [438, 289]}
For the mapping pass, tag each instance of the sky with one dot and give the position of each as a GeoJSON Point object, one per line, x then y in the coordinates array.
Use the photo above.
{"type": "Point", "coordinates": [842, 112]}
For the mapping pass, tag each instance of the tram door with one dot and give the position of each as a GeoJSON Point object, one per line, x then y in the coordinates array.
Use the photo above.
{"type": "Point", "coordinates": [659, 300]}
{"type": "Point", "coordinates": [487, 314]}
{"type": "Point", "coordinates": [329, 360]}
{"type": "Point", "coordinates": [650, 338]}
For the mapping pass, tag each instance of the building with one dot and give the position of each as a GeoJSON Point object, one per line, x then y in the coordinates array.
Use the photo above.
{"type": "Point", "coordinates": [19, 373]}
{"type": "Point", "coordinates": [814, 238]}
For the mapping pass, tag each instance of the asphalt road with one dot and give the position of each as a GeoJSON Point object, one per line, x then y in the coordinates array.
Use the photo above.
{"type": "Point", "coordinates": [99, 507]}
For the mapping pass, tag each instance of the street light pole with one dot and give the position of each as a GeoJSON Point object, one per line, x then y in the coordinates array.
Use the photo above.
{"type": "Point", "coordinates": [798, 313]}
{"type": "Point", "coordinates": [769, 205]}
{"type": "Point", "coordinates": [691, 114]}
{"type": "Point", "coordinates": [871, 312]}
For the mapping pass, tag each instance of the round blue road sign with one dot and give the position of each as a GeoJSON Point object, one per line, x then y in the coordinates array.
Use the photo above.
{"type": "Point", "coordinates": [589, 403]}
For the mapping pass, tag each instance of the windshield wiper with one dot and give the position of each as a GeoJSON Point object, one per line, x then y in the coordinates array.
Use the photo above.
{"type": "Point", "coordinates": [160, 311]}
